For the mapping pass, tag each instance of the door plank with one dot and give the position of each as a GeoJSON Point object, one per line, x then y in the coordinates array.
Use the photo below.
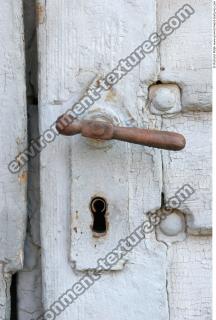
{"type": "Point", "coordinates": [13, 139]}
{"type": "Point", "coordinates": [189, 279]}
{"type": "Point", "coordinates": [78, 43]}
{"type": "Point", "coordinates": [5, 282]}
{"type": "Point", "coordinates": [185, 56]}
{"type": "Point", "coordinates": [191, 166]}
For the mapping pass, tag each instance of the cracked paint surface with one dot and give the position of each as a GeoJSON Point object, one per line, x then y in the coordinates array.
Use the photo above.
{"type": "Point", "coordinates": [162, 279]}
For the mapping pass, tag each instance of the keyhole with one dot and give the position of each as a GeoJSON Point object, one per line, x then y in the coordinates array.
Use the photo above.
{"type": "Point", "coordinates": [98, 208]}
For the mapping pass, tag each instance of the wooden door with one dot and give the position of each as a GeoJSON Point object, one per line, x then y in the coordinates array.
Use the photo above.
{"type": "Point", "coordinates": [166, 276]}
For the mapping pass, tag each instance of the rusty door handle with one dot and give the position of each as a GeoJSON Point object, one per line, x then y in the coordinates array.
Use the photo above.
{"type": "Point", "coordinates": [69, 126]}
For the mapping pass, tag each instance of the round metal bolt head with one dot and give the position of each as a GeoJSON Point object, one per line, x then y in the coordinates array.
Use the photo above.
{"type": "Point", "coordinates": [173, 224]}
{"type": "Point", "coordinates": [164, 98]}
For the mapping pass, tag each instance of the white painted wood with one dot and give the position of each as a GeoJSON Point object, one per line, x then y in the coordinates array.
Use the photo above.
{"type": "Point", "coordinates": [185, 55]}
{"type": "Point", "coordinates": [97, 39]}
{"type": "Point", "coordinates": [191, 166]}
{"type": "Point", "coordinates": [29, 284]}
{"type": "Point", "coordinates": [5, 281]}
{"type": "Point", "coordinates": [189, 279]}
{"type": "Point", "coordinates": [29, 291]}
{"type": "Point", "coordinates": [13, 135]}
{"type": "Point", "coordinates": [78, 42]}
{"type": "Point", "coordinates": [97, 172]}
{"type": "Point", "coordinates": [12, 140]}
{"type": "Point", "coordinates": [29, 295]}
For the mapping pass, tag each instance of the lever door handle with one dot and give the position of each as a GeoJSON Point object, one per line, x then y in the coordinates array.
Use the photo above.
{"type": "Point", "coordinates": [68, 126]}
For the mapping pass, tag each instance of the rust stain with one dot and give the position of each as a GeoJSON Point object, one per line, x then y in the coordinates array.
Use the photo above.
{"type": "Point", "coordinates": [40, 13]}
{"type": "Point", "coordinates": [23, 177]}
{"type": "Point", "coordinates": [111, 96]}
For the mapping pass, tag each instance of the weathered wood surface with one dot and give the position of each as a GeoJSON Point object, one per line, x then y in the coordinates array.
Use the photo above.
{"type": "Point", "coordinates": [29, 293]}
{"type": "Point", "coordinates": [29, 278]}
{"type": "Point", "coordinates": [96, 47]}
{"type": "Point", "coordinates": [185, 57]}
{"type": "Point", "coordinates": [189, 279]}
{"type": "Point", "coordinates": [191, 166]}
{"type": "Point", "coordinates": [13, 137]}
{"type": "Point", "coordinates": [29, 284]}
{"type": "Point", "coordinates": [5, 282]}
{"type": "Point", "coordinates": [78, 42]}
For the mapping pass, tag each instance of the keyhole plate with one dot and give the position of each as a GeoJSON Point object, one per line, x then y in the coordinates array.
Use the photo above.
{"type": "Point", "coordinates": [103, 173]}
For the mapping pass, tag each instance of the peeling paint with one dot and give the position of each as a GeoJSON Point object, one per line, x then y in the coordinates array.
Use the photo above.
{"type": "Point", "coordinates": [23, 177]}
{"type": "Point", "coordinates": [111, 96]}
{"type": "Point", "coordinates": [40, 13]}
